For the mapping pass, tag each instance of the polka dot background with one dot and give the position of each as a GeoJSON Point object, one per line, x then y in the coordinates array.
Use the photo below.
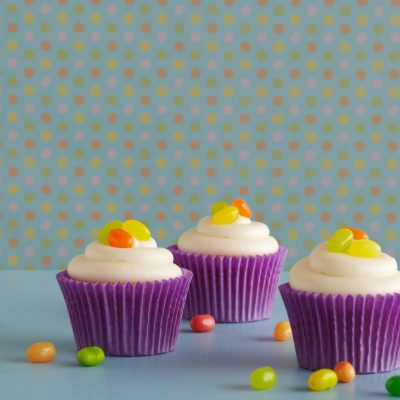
{"type": "Point", "coordinates": [156, 109]}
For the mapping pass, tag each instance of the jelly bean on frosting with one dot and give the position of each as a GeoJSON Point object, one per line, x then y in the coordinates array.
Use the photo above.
{"type": "Point", "coordinates": [227, 215]}
{"type": "Point", "coordinates": [364, 248]}
{"type": "Point", "coordinates": [243, 207]}
{"type": "Point", "coordinates": [218, 206]}
{"type": "Point", "coordinates": [102, 236]}
{"type": "Point", "coordinates": [137, 229]}
{"type": "Point", "coordinates": [357, 233]}
{"type": "Point", "coordinates": [340, 240]}
{"type": "Point", "coordinates": [120, 238]}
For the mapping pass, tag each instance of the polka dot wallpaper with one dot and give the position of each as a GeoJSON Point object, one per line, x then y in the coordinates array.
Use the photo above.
{"type": "Point", "coordinates": [156, 109]}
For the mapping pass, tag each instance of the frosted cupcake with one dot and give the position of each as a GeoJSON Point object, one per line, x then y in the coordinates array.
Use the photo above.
{"type": "Point", "coordinates": [235, 262]}
{"type": "Point", "coordinates": [124, 293]}
{"type": "Point", "coordinates": [343, 303]}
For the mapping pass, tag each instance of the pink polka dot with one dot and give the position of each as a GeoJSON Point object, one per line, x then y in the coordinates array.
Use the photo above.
{"type": "Point", "coordinates": [162, 109]}
{"type": "Point", "coordinates": [178, 154]}
{"type": "Point", "coordinates": [62, 36]}
{"type": "Point", "coordinates": [311, 83]}
{"type": "Point", "coordinates": [13, 135]}
{"type": "Point", "coordinates": [294, 109]}
{"type": "Point", "coordinates": [344, 65]}
{"type": "Point", "coordinates": [379, 11]}
{"type": "Point", "coordinates": [246, 10]}
{"type": "Point", "coordinates": [29, 108]}
{"type": "Point", "coordinates": [309, 226]}
{"type": "Point", "coordinates": [129, 108]}
{"type": "Point", "coordinates": [46, 153]}
{"type": "Point", "coordinates": [277, 137]}
{"type": "Point", "coordinates": [312, 10]}
{"type": "Point", "coordinates": [393, 110]}
{"type": "Point", "coordinates": [327, 110]}
{"type": "Point", "coordinates": [79, 135]}
{"type": "Point", "coordinates": [276, 207]}
{"type": "Point", "coordinates": [261, 109]}
{"type": "Point", "coordinates": [161, 180]}
{"type": "Point", "coordinates": [95, 108]}
{"type": "Point", "coordinates": [391, 181]}
{"type": "Point", "coordinates": [341, 208]}
{"type": "Point", "coordinates": [145, 136]}
{"type": "Point", "coordinates": [62, 108]}
{"type": "Point", "coordinates": [45, 9]}
{"type": "Point", "coordinates": [211, 136]}
{"type": "Point", "coordinates": [112, 154]}
{"type": "Point", "coordinates": [362, 38]}
{"type": "Point", "coordinates": [30, 251]}
{"type": "Point", "coordinates": [79, 207]}
{"type": "Point", "coordinates": [326, 181]}
{"type": "Point", "coordinates": [128, 180]}
{"type": "Point", "coordinates": [376, 155]}
{"type": "Point", "coordinates": [227, 181]}
{"type": "Point", "coordinates": [377, 83]}
{"type": "Point", "coordinates": [95, 36]}
{"type": "Point", "coordinates": [112, 82]}
{"type": "Point", "coordinates": [12, 63]}
{"type": "Point", "coordinates": [359, 181]}
{"type": "Point", "coordinates": [112, 9]}
{"type": "Point", "coordinates": [395, 38]}
{"type": "Point", "coordinates": [343, 137]}
{"type": "Point", "coordinates": [162, 36]}
{"type": "Point", "coordinates": [62, 180]}
{"type": "Point", "coordinates": [310, 155]}
{"type": "Point", "coordinates": [328, 38]}
{"type": "Point", "coordinates": [145, 64]}
{"type": "Point", "coordinates": [195, 37]}
{"type": "Point", "coordinates": [129, 36]}
{"type": "Point", "coordinates": [262, 37]}
{"type": "Point", "coordinates": [46, 225]}
{"type": "Point", "coordinates": [244, 155]}
{"type": "Point", "coordinates": [144, 207]}
{"type": "Point", "coordinates": [45, 81]}
{"type": "Point", "coordinates": [260, 181]}
{"type": "Point", "coordinates": [179, 83]}
{"type": "Point", "coordinates": [292, 252]}
{"type": "Point", "coordinates": [245, 83]}
{"type": "Point", "coordinates": [228, 109]}
{"type": "Point", "coordinates": [179, 10]}
{"type": "Point", "coordinates": [295, 38]}
{"type": "Point", "coordinates": [293, 181]}
{"type": "Point", "coordinates": [62, 251]}
{"type": "Point", "coordinates": [360, 110]}
{"type": "Point", "coordinates": [391, 251]}
{"type": "Point", "coordinates": [79, 63]}
{"type": "Point", "coordinates": [212, 64]}
{"type": "Point", "coordinates": [229, 37]}
{"type": "Point", "coordinates": [13, 206]}
{"type": "Point", "coordinates": [177, 226]}
{"type": "Point", "coordinates": [95, 180]}
{"type": "Point", "coordinates": [195, 109]}
{"type": "Point", "coordinates": [29, 180]}
{"type": "Point", "coordinates": [29, 36]}
{"type": "Point", "coordinates": [194, 180]}
{"type": "Point", "coordinates": [374, 226]}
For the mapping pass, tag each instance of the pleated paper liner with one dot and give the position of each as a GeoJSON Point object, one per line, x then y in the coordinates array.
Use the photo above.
{"type": "Point", "coordinates": [126, 319]}
{"type": "Point", "coordinates": [232, 289]}
{"type": "Point", "coordinates": [363, 330]}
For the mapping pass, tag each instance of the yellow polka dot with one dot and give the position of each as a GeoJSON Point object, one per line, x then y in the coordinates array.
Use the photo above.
{"type": "Point", "coordinates": [345, 47]}
{"type": "Point", "coordinates": [295, 19]}
{"type": "Point", "coordinates": [359, 163]}
{"type": "Point", "coordinates": [378, 65]}
{"type": "Point", "coordinates": [62, 162]}
{"type": "Point", "coordinates": [12, 45]}
{"type": "Point", "coordinates": [276, 190]}
{"type": "Point", "coordinates": [145, 118]}
{"type": "Point", "coordinates": [95, 162]}
{"type": "Point", "coordinates": [293, 163]}
{"type": "Point", "coordinates": [227, 163]}
{"type": "Point", "coordinates": [162, 18]}
{"type": "Point", "coordinates": [62, 18]}
{"type": "Point", "coordinates": [278, 47]}
{"type": "Point", "coordinates": [162, 91]}
{"type": "Point", "coordinates": [12, 117]}
{"type": "Point", "coordinates": [145, 45]}
{"type": "Point", "coordinates": [344, 119]}
{"type": "Point", "coordinates": [260, 162]}
{"type": "Point", "coordinates": [179, 64]}
{"type": "Point", "coordinates": [212, 118]}
{"type": "Point", "coordinates": [261, 91]}
{"type": "Point", "coordinates": [129, 18]}
{"type": "Point", "coordinates": [262, 19]}
{"type": "Point", "coordinates": [229, 19]}
{"type": "Point", "coordinates": [62, 90]}
{"type": "Point", "coordinates": [277, 119]}
{"type": "Point", "coordinates": [29, 233]}
{"type": "Point", "coordinates": [62, 233]}
{"type": "Point", "coordinates": [112, 63]}
{"type": "Point", "coordinates": [161, 233]}
{"type": "Point", "coordinates": [129, 91]}
{"type": "Point", "coordinates": [29, 162]}
{"type": "Point", "coordinates": [79, 189]}
{"type": "Point", "coordinates": [394, 92]}
{"type": "Point", "coordinates": [362, 19]}
{"type": "Point", "coordinates": [292, 234]}
{"type": "Point", "coordinates": [194, 162]}
{"type": "Point", "coordinates": [329, 19]}
{"type": "Point", "coordinates": [46, 63]}
{"type": "Point", "coordinates": [392, 163]}
{"type": "Point", "coordinates": [311, 65]}
{"type": "Point", "coordinates": [178, 136]}
{"type": "Point", "coordinates": [309, 208]}
{"type": "Point", "coordinates": [195, 19]}
{"type": "Point", "coordinates": [310, 137]}
{"type": "Point", "coordinates": [79, 45]}
{"type": "Point", "coordinates": [96, 90]}
{"type": "Point", "coordinates": [211, 190]}
{"type": "Point", "coordinates": [228, 91]}
{"type": "Point", "coordinates": [245, 64]}
{"type": "Point", "coordinates": [161, 163]}
{"type": "Point", "coordinates": [361, 91]}
{"type": "Point", "coordinates": [376, 137]}
{"type": "Point", "coordinates": [79, 117]}
{"type": "Point", "coordinates": [95, 18]}
{"type": "Point", "coordinates": [46, 207]}
{"type": "Point", "coordinates": [195, 91]}
{"type": "Point", "coordinates": [128, 162]}
{"type": "Point", "coordinates": [325, 234]}
{"type": "Point", "coordinates": [29, 18]}
{"type": "Point", "coordinates": [395, 19]}
{"type": "Point", "coordinates": [391, 235]}
{"type": "Point", "coordinates": [212, 46]}
{"type": "Point", "coordinates": [327, 91]}
{"type": "Point", "coordinates": [177, 208]}
{"type": "Point", "coordinates": [46, 136]}
{"type": "Point", "coordinates": [112, 207]}
{"type": "Point", "coordinates": [375, 208]}
{"type": "Point", "coordinates": [13, 189]}
{"type": "Point", "coordinates": [294, 91]}
{"type": "Point", "coordinates": [145, 189]}
{"type": "Point", "coordinates": [13, 259]}
{"type": "Point", "coordinates": [29, 90]}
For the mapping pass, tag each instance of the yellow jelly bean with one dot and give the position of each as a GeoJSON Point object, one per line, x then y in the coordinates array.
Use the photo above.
{"type": "Point", "coordinates": [340, 240]}
{"type": "Point", "coordinates": [323, 379]}
{"type": "Point", "coordinates": [227, 215]}
{"type": "Point", "coordinates": [102, 236]}
{"type": "Point", "coordinates": [218, 206]}
{"type": "Point", "coordinates": [137, 229]}
{"type": "Point", "coordinates": [364, 248]}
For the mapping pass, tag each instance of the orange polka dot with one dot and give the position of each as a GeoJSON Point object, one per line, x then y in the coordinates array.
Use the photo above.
{"type": "Point", "coordinates": [129, 2]}
{"type": "Point", "coordinates": [112, 118]}
{"type": "Point", "coordinates": [326, 145]}
{"type": "Point", "coordinates": [129, 144]}
{"type": "Point", "coordinates": [212, 28]}
{"type": "Point", "coordinates": [196, 2]}
{"type": "Point", "coordinates": [359, 145]}
{"type": "Point", "coordinates": [277, 172]}
{"type": "Point", "coordinates": [13, 99]}
{"type": "Point", "coordinates": [145, 172]}
{"type": "Point", "coordinates": [343, 172]}
{"type": "Point", "coordinates": [195, 73]}
{"type": "Point", "coordinates": [309, 190]}
{"type": "Point", "coordinates": [278, 101]}
{"type": "Point", "coordinates": [46, 260]}
{"type": "Point", "coordinates": [145, 100]}
{"type": "Point", "coordinates": [62, 144]}
{"type": "Point", "coordinates": [95, 72]}
{"type": "Point", "coordinates": [394, 73]}
{"type": "Point", "coordinates": [145, 27]}
{"type": "Point", "coordinates": [162, 73]}
{"type": "Point", "coordinates": [112, 189]}
{"type": "Point", "coordinates": [245, 46]}
{"type": "Point", "coordinates": [325, 217]}
{"type": "Point", "coordinates": [62, 72]}
{"type": "Point", "coordinates": [79, 99]}
{"type": "Point", "coordinates": [259, 216]}
{"type": "Point", "coordinates": [46, 189]}
{"type": "Point", "coordinates": [345, 29]}
{"type": "Point", "coordinates": [13, 171]}
{"type": "Point", "coordinates": [327, 74]}
{"type": "Point", "coordinates": [128, 215]}
{"type": "Point", "coordinates": [79, 242]}
{"type": "Point", "coordinates": [375, 191]}
{"type": "Point", "coordinates": [95, 144]}
{"type": "Point", "coordinates": [13, 242]}
{"type": "Point", "coordinates": [161, 216]}
{"type": "Point", "coordinates": [129, 72]}
{"type": "Point", "coordinates": [29, 72]}
{"type": "Point", "coordinates": [29, 144]}
{"type": "Point", "coordinates": [79, 171]}
{"type": "Point", "coordinates": [178, 118]}
{"type": "Point", "coordinates": [391, 217]}
{"type": "Point", "coordinates": [194, 216]}
{"type": "Point", "coordinates": [378, 47]}
{"type": "Point", "coordinates": [311, 47]}
{"type": "Point", "coordinates": [344, 101]}
{"type": "Point", "coordinates": [295, 73]}
{"type": "Point", "coordinates": [358, 217]}
{"type": "Point", "coordinates": [279, 28]}
{"type": "Point", "coordinates": [46, 117]}
{"type": "Point", "coordinates": [244, 190]}
{"type": "Point", "coordinates": [178, 189]}
{"type": "Point", "coordinates": [396, 3]}
{"type": "Point", "coordinates": [112, 45]}
{"type": "Point", "coordinates": [329, 3]}
{"type": "Point", "coordinates": [363, 3]}
{"type": "Point", "coordinates": [163, 2]}
{"type": "Point", "coordinates": [244, 119]}
{"type": "Point", "coordinates": [392, 146]}
{"type": "Point", "coordinates": [262, 73]}
{"type": "Point", "coordinates": [310, 119]}
{"type": "Point", "coordinates": [376, 119]}
{"type": "Point", "coordinates": [12, 27]}
{"type": "Point", "coordinates": [229, 2]}
{"type": "Point", "coordinates": [227, 145]}
{"type": "Point", "coordinates": [229, 73]}
{"type": "Point", "coordinates": [62, 216]}
{"type": "Point", "coordinates": [293, 145]}
{"type": "Point", "coordinates": [179, 46]}
{"type": "Point", "coordinates": [261, 145]}
{"type": "Point", "coordinates": [292, 217]}
{"type": "Point", "coordinates": [296, 3]}
{"type": "Point", "coordinates": [30, 215]}
{"type": "Point", "coordinates": [195, 145]}
{"type": "Point", "coordinates": [79, 27]}
{"type": "Point", "coordinates": [211, 100]}
{"type": "Point", "coordinates": [95, 215]}
{"type": "Point", "coordinates": [211, 172]}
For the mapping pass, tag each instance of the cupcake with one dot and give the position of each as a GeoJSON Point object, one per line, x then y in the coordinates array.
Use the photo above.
{"type": "Point", "coordinates": [343, 303]}
{"type": "Point", "coordinates": [235, 263]}
{"type": "Point", "coordinates": [124, 294]}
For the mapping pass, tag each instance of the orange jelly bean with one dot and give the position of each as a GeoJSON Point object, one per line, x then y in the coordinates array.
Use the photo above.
{"type": "Point", "coordinates": [345, 371]}
{"type": "Point", "coordinates": [283, 331]}
{"type": "Point", "coordinates": [120, 238]}
{"type": "Point", "coordinates": [243, 207]}
{"type": "Point", "coordinates": [357, 233]}
{"type": "Point", "coordinates": [41, 352]}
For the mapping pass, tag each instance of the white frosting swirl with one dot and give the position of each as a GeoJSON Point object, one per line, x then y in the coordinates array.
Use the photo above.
{"type": "Point", "coordinates": [339, 273]}
{"type": "Point", "coordinates": [144, 263]}
{"type": "Point", "coordinates": [242, 238]}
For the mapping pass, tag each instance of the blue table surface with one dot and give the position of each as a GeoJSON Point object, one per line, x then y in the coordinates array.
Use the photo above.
{"type": "Point", "coordinates": [214, 365]}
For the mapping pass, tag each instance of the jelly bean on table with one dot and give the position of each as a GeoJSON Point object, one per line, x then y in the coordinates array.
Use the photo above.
{"type": "Point", "coordinates": [345, 372]}
{"type": "Point", "coordinates": [393, 386]}
{"type": "Point", "coordinates": [340, 240]}
{"type": "Point", "coordinates": [364, 248]}
{"type": "Point", "coordinates": [120, 238]}
{"type": "Point", "coordinates": [41, 352]}
{"type": "Point", "coordinates": [243, 207]}
{"type": "Point", "coordinates": [323, 379]}
{"type": "Point", "coordinates": [137, 229]}
{"type": "Point", "coordinates": [90, 356]}
{"type": "Point", "coordinates": [202, 323]}
{"type": "Point", "coordinates": [227, 215]}
{"type": "Point", "coordinates": [263, 378]}
{"type": "Point", "coordinates": [282, 331]}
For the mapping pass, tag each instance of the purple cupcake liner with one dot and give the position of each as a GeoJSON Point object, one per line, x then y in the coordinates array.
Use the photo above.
{"type": "Point", "coordinates": [230, 288]}
{"type": "Point", "coordinates": [126, 319]}
{"type": "Point", "coordinates": [363, 330]}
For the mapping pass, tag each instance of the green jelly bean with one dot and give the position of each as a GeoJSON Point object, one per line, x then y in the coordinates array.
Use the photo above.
{"type": "Point", "coordinates": [102, 236]}
{"type": "Point", "coordinates": [218, 206]}
{"type": "Point", "coordinates": [263, 378]}
{"type": "Point", "coordinates": [323, 379]}
{"type": "Point", "coordinates": [90, 356]}
{"type": "Point", "coordinates": [393, 385]}
{"type": "Point", "coordinates": [340, 240]}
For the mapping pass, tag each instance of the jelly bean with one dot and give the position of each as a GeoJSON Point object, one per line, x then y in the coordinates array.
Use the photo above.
{"type": "Point", "coordinates": [345, 372]}
{"type": "Point", "coordinates": [283, 331]}
{"type": "Point", "coordinates": [340, 240]}
{"type": "Point", "coordinates": [393, 386]}
{"type": "Point", "coordinates": [218, 206]}
{"type": "Point", "coordinates": [357, 233]}
{"type": "Point", "coordinates": [228, 215]}
{"type": "Point", "coordinates": [323, 379]}
{"type": "Point", "coordinates": [202, 323]}
{"type": "Point", "coordinates": [41, 352]}
{"type": "Point", "coordinates": [102, 236]}
{"type": "Point", "coordinates": [364, 248]}
{"type": "Point", "coordinates": [90, 356]}
{"type": "Point", "coordinates": [120, 238]}
{"type": "Point", "coordinates": [263, 378]}
{"type": "Point", "coordinates": [243, 207]}
{"type": "Point", "coordinates": [137, 229]}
